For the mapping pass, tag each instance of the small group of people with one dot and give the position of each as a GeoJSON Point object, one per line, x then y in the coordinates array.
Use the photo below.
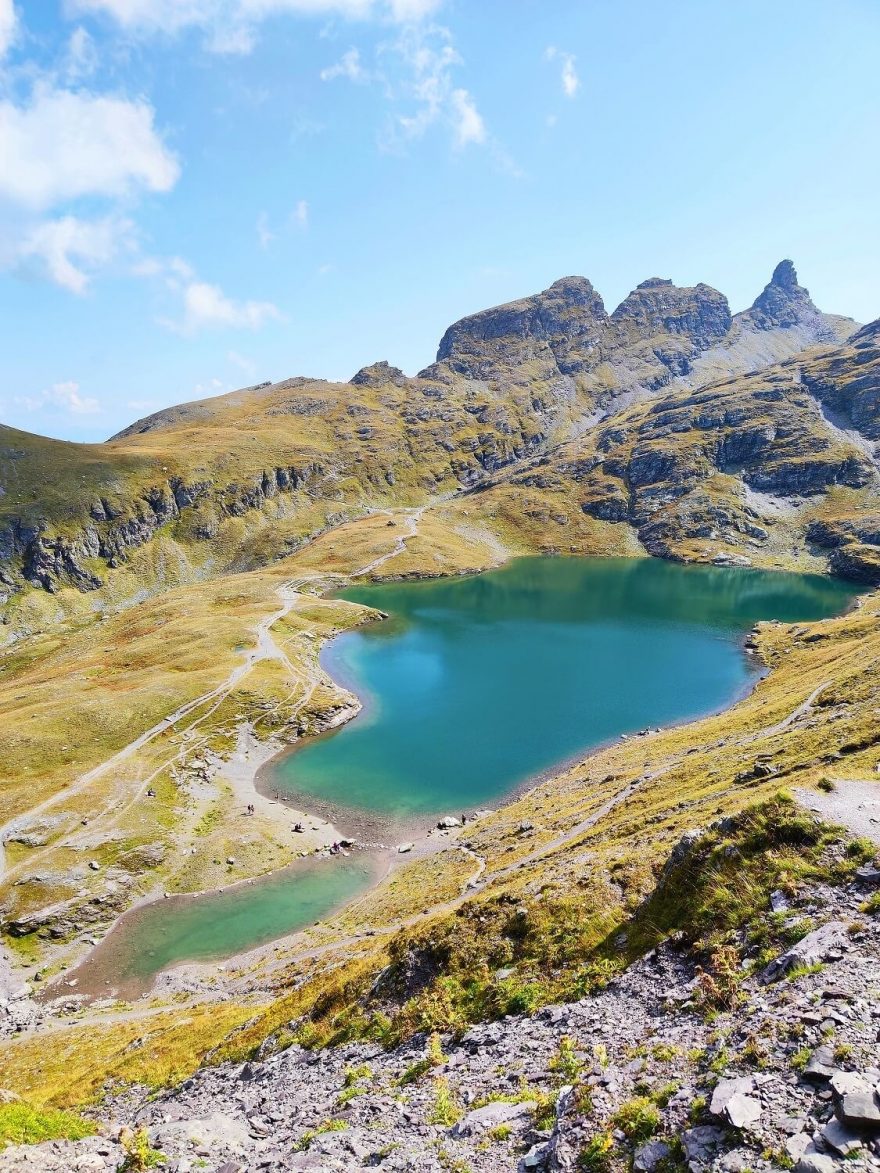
{"type": "Point", "coordinates": [251, 809]}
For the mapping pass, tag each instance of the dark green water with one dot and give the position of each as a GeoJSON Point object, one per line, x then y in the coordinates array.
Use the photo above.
{"type": "Point", "coordinates": [474, 685]}
{"type": "Point", "coordinates": [220, 924]}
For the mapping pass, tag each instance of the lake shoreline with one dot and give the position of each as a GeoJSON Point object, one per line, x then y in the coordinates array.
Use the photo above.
{"type": "Point", "coordinates": [376, 835]}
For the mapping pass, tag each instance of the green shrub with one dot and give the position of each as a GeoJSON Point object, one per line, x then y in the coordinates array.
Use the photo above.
{"type": "Point", "coordinates": [446, 1109]}
{"type": "Point", "coordinates": [22, 1124]}
{"type": "Point", "coordinates": [638, 1119]}
{"type": "Point", "coordinates": [139, 1153]}
{"type": "Point", "coordinates": [595, 1157]}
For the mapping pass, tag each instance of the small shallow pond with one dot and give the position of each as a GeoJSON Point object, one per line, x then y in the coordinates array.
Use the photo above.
{"type": "Point", "coordinates": [216, 925]}
{"type": "Point", "coordinates": [475, 685]}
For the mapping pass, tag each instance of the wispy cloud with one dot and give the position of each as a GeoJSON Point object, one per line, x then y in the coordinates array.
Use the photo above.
{"type": "Point", "coordinates": [468, 124]}
{"type": "Point", "coordinates": [568, 74]}
{"type": "Point", "coordinates": [348, 66]}
{"type": "Point", "coordinates": [244, 364]}
{"type": "Point", "coordinates": [8, 26]}
{"type": "Point", "coordinates": [206, 306]}
{"type": "Point", "coordinates": [231, 26]}
{"type": "Point", "coordinates": [264, 233]}
{"type": "Point", "coordinates": [64, 396]}
{"type": "Point", "coordinates": [69, 250]}
{"type": "Point", "coordinates": [203, 305]}
{"type": "Point", "coordinates": [300, 214]}
{"type": "Point", "coordinates": [81, 60]}
{"type": "Point", "coordinates": [427, 86]}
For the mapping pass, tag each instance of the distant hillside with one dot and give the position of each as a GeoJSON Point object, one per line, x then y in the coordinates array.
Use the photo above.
{"type": "Point", "coordinates": [234, 481]}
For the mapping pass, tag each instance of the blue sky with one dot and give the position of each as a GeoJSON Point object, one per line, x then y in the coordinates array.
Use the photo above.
{"type": "Point", "coordinates": [200, 194]}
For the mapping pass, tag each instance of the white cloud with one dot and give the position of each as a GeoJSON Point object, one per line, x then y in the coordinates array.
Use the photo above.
{"type": "Point", "coordinates": [468, 126]}
{"type": "Point", "coordinates": [68, 250]}
{"type": "Point", "coordinates": [264, 233]}
{"type": "Point", "coordinates": [206, 306]}
{"type": "Point", "coordinates": [230, 24]}
{"type": "Point", "coordinates": [82, 56]}
{"type": "Point", "coordinates": [300, 213]}
{"type": "Point", "coordinates": [431, 57]}
{"type": "Point", "coordinates": [61, 395]}
{"type": "Point", "coordinates": [348, 66]}
{"type": "Point", "coordinates": [64, 145]}
{"type": "Point", "coordinates": [8, 26]}
{"type": "Point", "coordinates": [568, 74]}
{"type": "Point", "coordinates": [203, 305]}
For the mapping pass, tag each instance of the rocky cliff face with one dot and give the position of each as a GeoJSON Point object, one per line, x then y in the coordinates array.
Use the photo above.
{"type": "Point", "coordinates": [658, 333]}
{"type": "Point", "coordinates": [559, 329]}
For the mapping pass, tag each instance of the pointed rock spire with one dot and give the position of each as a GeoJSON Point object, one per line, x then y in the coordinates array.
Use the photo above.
{"type": "Point", "coordinates": [783, 302]}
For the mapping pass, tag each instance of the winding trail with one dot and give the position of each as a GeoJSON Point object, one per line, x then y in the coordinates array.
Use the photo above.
{"type": "Point", "coordinates": [266, 649]}
{"type": "Point", "coordinates": [787, 722]}
{"type": "Point", "coordinates": [413, 518]}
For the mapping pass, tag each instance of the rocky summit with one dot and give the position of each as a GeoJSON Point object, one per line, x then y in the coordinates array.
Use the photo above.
{"type": "Point", "coordinates": [511, 385]}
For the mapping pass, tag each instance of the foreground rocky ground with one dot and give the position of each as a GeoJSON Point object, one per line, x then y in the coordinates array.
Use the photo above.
{"type": "Point", "coordinates": [657, 1070]}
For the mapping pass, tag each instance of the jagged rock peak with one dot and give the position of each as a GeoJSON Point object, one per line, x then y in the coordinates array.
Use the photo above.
{"type": "Point", "coordinates": [378, 374]}
{"type": "Point", "coordinates": [656, 306]}
{"type": "Point", "coordinates": [785, 275]}
{"type": "Point", "coordinates": [570, 311]}
{"type": "Point", "coordinates": [577, 290]}
{"type": "Point", "coordinates": [783, 302]}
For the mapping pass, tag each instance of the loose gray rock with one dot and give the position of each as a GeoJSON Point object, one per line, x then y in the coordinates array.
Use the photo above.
{"type": "Point", "coordinates": [742, 1110]}
{"type": "Point", "coordinates": [844, 1140]}
{"type": "Point", "coordinates": [701, 1143]}
{"type": "Point", "coordinates": [725, 1089]}
{"type": "Point", "coordinates": [490, 1116]}
{"type": "Point", "coordinates": [860, 1110]}
{"type": "Point", "coordinates": [810, 950]}
{"type": "Point", "coordinates": [650, 1155]}
{"type": "Point", "coordinates": [815, 1162]}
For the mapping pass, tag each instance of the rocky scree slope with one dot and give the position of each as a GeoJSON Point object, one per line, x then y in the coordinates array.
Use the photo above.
{"type": "Point", "coordinates": [244, 478]}
{"type": "Point", "coordinates": [664, 1066]}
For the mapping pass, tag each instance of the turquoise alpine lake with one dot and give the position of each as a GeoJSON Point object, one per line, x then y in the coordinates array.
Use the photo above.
{"type": "Point", "coordinates": [470, 687]}
{"type": "Point", "coordinates": [474, 685]}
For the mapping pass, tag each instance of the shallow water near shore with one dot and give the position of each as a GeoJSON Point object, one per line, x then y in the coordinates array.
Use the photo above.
{"type": "Point", "coordinates": [474, 685]}
{"type": "Point", "coordinates": [216, 925]}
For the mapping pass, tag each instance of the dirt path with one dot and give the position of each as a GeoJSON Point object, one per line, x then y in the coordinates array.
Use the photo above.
{"type": "Point", "coordinates": [266, 649]}
{"type": "Point", "coordinates": [786, 722]}
{"type": "Point", "coordinates": [854, 804]}
{"type": "Point", "coordinates": [413, 518]}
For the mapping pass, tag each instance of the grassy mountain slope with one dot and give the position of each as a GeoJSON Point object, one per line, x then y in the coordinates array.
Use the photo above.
{"type": "Point", "coordinates": [234, 482]}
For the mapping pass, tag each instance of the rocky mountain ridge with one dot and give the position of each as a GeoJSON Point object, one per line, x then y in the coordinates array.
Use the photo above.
{"type": "Point", "coordinates": [652, 337]}
{"type": "Point", "coordinates": [234, 481]}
